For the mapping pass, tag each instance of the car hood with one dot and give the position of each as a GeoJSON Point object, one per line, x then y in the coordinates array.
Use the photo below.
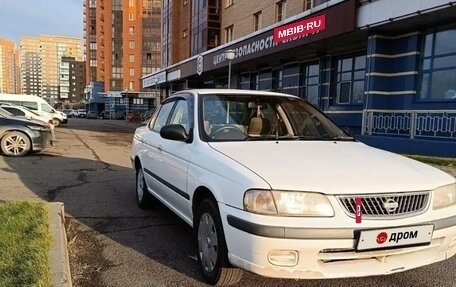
{"type": "Point", "coordinates": [332, 167]}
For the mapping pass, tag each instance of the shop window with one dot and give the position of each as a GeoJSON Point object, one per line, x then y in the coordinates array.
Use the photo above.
{"type": "Point", "coordinates": [265, 80]}
{"type": "Point", "coordinates": [244, 82]}
{"type": "Point", "coordinates": [310, 78]}
{"type": "Point", "coordinates": [349, 80]}
{"type": "Point", "coordinates": [277, 76]}
{"type": "Point", "coordinates": [254, 81]}
{"type": "Point", "coordinates": [438, 69]}
{"type": "Point", "coordinates": [290, 79]}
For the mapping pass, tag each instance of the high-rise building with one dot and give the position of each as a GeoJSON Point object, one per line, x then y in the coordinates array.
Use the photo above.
{"type": "Point", "coordinates": [122, 42]}
{"type": "Point", "coordinates": [41, 59]}
{"type": "Point", "coordinates": [176, 31]}
{"type": "Point", "coordinates": [72, 80]}
{"type": "Point", "coordinates": [9, 67]}
{"type": "Point", "coordinates": [30, 65]}
{"type": "Point", "coordinates": [53, 48]}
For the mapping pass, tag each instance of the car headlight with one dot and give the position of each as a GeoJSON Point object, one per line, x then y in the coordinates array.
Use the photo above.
{"type": "Point", "coordinates": [287, 203]}
{"type": "Point", "coordinates": [444, 196]}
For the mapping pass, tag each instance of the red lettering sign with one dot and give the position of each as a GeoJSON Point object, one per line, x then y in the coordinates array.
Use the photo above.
{"type": "Point", "coordinates": [300, 28]}
{"type": "Point", "coordinates": [358, 210]}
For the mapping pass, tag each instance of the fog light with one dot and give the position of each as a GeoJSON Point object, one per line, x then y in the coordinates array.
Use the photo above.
{"type": "Point", "coordinates": [453, 242]}
{"type": "Point", "coordinates": [286, 258]}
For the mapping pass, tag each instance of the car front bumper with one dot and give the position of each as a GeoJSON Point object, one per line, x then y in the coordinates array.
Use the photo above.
{"type": "Point", "coordinates": [42, 139]}
{"type": "Point", "coordinates": [326, 252]}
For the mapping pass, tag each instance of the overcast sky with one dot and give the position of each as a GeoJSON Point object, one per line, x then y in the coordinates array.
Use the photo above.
{"type": "Point", "coordinates": [35, 17]}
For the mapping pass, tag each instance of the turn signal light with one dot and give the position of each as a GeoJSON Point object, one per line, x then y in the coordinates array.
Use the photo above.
{"type": "Point", "coordinates": [285, 258]}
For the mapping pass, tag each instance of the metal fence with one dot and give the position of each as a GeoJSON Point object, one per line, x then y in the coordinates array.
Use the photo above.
{"type": "Point", "coordinates": [410, 123]}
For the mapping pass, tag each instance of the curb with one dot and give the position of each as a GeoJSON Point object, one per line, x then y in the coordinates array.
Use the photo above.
{"type": "Point", "coordinates": [60, 264]}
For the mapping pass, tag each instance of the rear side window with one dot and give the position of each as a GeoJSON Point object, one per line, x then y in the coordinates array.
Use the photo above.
{"type": "Point", "coordinates": [15, 112]}
{"type": "Point", "coordinates": [30, 105]}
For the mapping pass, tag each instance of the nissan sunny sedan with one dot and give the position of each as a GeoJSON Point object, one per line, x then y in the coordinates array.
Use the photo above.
{"type": "Point", "coordinates": [271, 185]}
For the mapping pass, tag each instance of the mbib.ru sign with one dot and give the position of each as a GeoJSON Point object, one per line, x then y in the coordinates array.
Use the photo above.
{"type": "Point", "coordinates": [300, 28]}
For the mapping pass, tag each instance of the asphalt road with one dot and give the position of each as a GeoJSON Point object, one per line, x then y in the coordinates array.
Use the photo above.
{"type": "Point", "coordinates": [114, 243]}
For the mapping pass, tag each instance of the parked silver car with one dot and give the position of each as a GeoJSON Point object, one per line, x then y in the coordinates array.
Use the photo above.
{"type": "Point", "coordinates": [19, 136]}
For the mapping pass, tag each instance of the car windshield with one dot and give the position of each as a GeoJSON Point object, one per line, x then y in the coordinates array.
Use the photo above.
{"type": "Point", "coordinates": [247, 117]}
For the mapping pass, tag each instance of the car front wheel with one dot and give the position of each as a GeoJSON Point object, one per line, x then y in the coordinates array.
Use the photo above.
{"type": "Point", "coordinates": [56, 122]}
{"type": "Point", "coordinates": [212, 251]}
{"type": "Point", "coordinates": [15, 144]}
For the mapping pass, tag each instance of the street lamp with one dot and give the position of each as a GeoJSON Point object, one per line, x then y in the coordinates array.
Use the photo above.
{"type": "Point", "coordinates": [229, 54]}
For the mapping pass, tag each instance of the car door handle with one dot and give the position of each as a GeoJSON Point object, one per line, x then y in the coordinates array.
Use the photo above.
{"type": "Point", "coordinates": [159, 148]}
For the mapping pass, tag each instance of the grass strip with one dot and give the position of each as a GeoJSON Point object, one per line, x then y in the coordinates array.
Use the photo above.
{"type": "Point", "coordinates": [25, 241]}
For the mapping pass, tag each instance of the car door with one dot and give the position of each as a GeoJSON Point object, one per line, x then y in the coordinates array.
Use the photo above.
{"type": "Point", "coordinates": [152, 157]}
{"type": "Point", "coordinates": [169, 161]}
{"type": "Point", "coordinates": [176, 156]}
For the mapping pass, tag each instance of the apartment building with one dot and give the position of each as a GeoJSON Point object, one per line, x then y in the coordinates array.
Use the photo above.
{"type": "Point", "coordinates": [30, 65]}
{"type": "Point", "coordinates": [176, 31]}
{"type": "Point", "coordinates": [72, 81]}
{"type": "Point", "coordinates": [122, 42]}
{"type": "Point", "coordinates": [9, 67]}
{"type": "Point", "coordinates": [385, 72]}
{"type": "Point", "coordinates": [41, 59]}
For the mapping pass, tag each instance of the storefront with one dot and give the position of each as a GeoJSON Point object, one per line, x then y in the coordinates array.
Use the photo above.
{"type": "Point", "coordinates": [386, 72]}
{"type": "Point", "coordinates": [128, 105]}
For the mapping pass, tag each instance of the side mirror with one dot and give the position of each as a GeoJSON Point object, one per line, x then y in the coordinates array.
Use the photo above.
{"type": "Point", "coordinates": [174, 132]}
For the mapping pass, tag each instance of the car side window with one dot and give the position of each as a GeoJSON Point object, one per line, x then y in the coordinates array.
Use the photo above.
{"type": "Point", "coordinates": [46, 108]}
{"type": "Point", "coordinates": [15, 112]}
{"type": "Point", "coordinates": [30, 105]}
{"type": "Point", "coordinates": [180, 115]}
{"type": "Point", "coordinates": [163, 116]}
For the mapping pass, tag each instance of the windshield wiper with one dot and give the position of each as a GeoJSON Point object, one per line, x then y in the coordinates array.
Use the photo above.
{"type": "Point", "coordinates": [260, 138]}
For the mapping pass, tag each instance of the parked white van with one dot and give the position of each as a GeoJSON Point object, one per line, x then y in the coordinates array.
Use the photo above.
{"type": "Point", "coordinates": [36, 104]}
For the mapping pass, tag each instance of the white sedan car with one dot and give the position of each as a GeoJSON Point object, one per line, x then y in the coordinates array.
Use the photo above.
{"type": "Point", "coordinates": [271, 185]}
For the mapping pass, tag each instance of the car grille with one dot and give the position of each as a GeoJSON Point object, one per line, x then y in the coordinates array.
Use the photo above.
{"type": "Point", "coordinates": [387, 205]}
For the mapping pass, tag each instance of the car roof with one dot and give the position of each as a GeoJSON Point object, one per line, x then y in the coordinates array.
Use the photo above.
{"type": "Point", "coordinates": [234, 92]}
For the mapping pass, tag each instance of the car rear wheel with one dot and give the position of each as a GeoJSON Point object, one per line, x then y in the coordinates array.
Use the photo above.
{"type": "Point", "coordinates": [211, 246]}
{"type": "Point", "coordinates": [15, 144]}
{"type": "Point", "coordinates": [56, 122]}
{"type": "Point", "coordinates": [144, 198]}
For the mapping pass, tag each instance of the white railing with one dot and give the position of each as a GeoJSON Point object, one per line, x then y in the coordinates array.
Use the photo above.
{"type": "Point", "coordinates": [410, 123]}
